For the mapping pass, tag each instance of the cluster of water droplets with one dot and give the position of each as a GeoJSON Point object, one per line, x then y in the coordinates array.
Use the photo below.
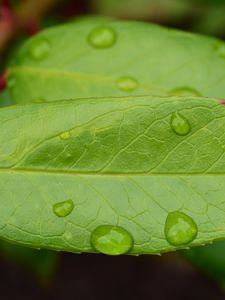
{"type": "Point", "coordinates": [180, 229]}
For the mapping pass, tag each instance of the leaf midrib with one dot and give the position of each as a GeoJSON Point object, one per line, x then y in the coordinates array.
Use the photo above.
{"type": "Point", "coordinates": [61, 172]}
{"type": "Point", "coordinates": [73, 75]}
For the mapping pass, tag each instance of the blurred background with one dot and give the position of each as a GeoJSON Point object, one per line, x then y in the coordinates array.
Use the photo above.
{"type": "Point", "coordinates": [40, 274]}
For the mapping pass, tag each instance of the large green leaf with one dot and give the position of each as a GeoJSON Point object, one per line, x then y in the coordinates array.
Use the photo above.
{"type": "Point", "coordinates": [115, 161]}
{"type": "Point", "coordinates": [128, 58]}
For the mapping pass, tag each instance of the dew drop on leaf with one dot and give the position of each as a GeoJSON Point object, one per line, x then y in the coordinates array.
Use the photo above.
{"type": "Point", "coordinates": [65, 135]}
{"type": "Point", "coordinates": [111, 240]}
{"type": "Point", "coordinates": [102, 37]}
{"type": "Point", "coordinates": [39, 49]}
{"type": "Point", "coordinates": [179, 228]}
{"type": "Point", "coordinates": [184, 91]}
{"type": "Point", "coordinates": [64, 208]}
{"type": "Point", "coordinates": [127, 84]}
{"type": "Point", "coordinates": [179, 124]}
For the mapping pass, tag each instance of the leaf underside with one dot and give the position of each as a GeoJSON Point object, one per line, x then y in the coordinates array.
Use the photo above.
{"type": "Point", "coordinates": [120, 162]}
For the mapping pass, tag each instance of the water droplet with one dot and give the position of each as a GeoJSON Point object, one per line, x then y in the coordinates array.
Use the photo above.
{"type": "Point", "coordinates": [180, 229]}
{"type": "Point", "coordinates": [102, 37]}
{"type": "Point", "coordinates": [111, 240]}
{"type": "Point", "coordinates": [65, 135]}
{"type": "Point", "coordinates": [11, 81]}
{"type": "Point", "coordinates": [179, 124]}
{"type": "Point", "coordinates": [127, 84]}
{"type": "Point", "coordinates": [184, 91]}
{"type": "Point", "coordinates": [64, 208]}
{"type": "Point", "coordinates": [39, 48]}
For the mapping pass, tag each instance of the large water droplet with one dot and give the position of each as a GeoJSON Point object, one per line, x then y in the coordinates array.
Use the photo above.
{"type": "Point", "coordinates": [111, 240]}
{"type": "Point", "coordinates": [102, 37]}
{"type": "Point", "coordinates": [64, 208]}
{"type": "Point", "coordinates": [65, 135]}
{"type": "Point", "coordinates": [179, 124]}
{"type": "Point", "coordinates": [127, 84]}
{"type": "Point", "coordinates": [180, 229]}
{"type": "Point", "coordinates": [184, 91]}
{"type": "Point", "coordinates": [39, 48]}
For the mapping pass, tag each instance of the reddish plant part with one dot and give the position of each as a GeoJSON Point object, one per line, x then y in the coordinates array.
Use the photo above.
{"type": "Point", "coordinates": [25, 18]}
{"type": "Point", "coordinates": [2, 82]}
{"type": "Point", "coordinates": [222, 102]}
{"type": "Point", "coordinates": [6, 13]}
{"type": "Point", "coordinates": [7, 23]}
{"type": "Point", "coordinates": [32, 28]}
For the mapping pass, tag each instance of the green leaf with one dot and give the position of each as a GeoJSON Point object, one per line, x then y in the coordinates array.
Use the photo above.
{"type": "Point", "coordinates": [65, 62]}
{"type": "Point", "coordinates": [116, 162]}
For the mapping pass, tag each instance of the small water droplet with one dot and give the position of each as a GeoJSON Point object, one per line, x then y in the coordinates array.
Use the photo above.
{"type": "Point", "coordinates": [64, 208]}
{"type": "Point", "coordinates": [179, 124]}
{"type": "Point", "coordinates": [127, 84]}
{"type": "Point", "coordinates": [111, 240]}
{"type": "Point", "coordinates": [39, 48]}
{"type": "Point", "coordinates": [11, 81]}
{"type": "Point", "coordinates": [65, 135]}
{"type": "Point", "coordinates": [102, 37]}
{"type": "Point", "coordinates": [184, 91]}
{"type": "Point", "coordinates": [180, 229]}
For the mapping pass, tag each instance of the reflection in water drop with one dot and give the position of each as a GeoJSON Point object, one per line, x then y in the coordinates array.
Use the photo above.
{"type": "Point", "coordinates": [64, 208]}
{"type": "Point", "coordinates": [127, 84]}
{"type": "Point", "coordinates": [102, 37]}
{"type": "Point", "coordinates": [184, 91]}
{"type": "Point", "coordinates": [111, 240]}
{"type": "Point", "coordinates": [180, 229]}
{"type": "Point", "coordinates": [39, 48]}
{"type": "Point", "coordinates": [179, 124]}
{"type": "Point", "coordinates": [65, 135]}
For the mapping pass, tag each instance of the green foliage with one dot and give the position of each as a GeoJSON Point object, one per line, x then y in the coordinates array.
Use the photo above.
{"type": "Point", "coordinates": [130, 162]}
{"type": "Point", "coordinates": [120, 162]}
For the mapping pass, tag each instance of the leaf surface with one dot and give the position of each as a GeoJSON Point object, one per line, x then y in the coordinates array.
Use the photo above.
{"type": "Point", "coordinates": [120, 162]}
{"type": "Point", "coordinates": [61, 63]}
